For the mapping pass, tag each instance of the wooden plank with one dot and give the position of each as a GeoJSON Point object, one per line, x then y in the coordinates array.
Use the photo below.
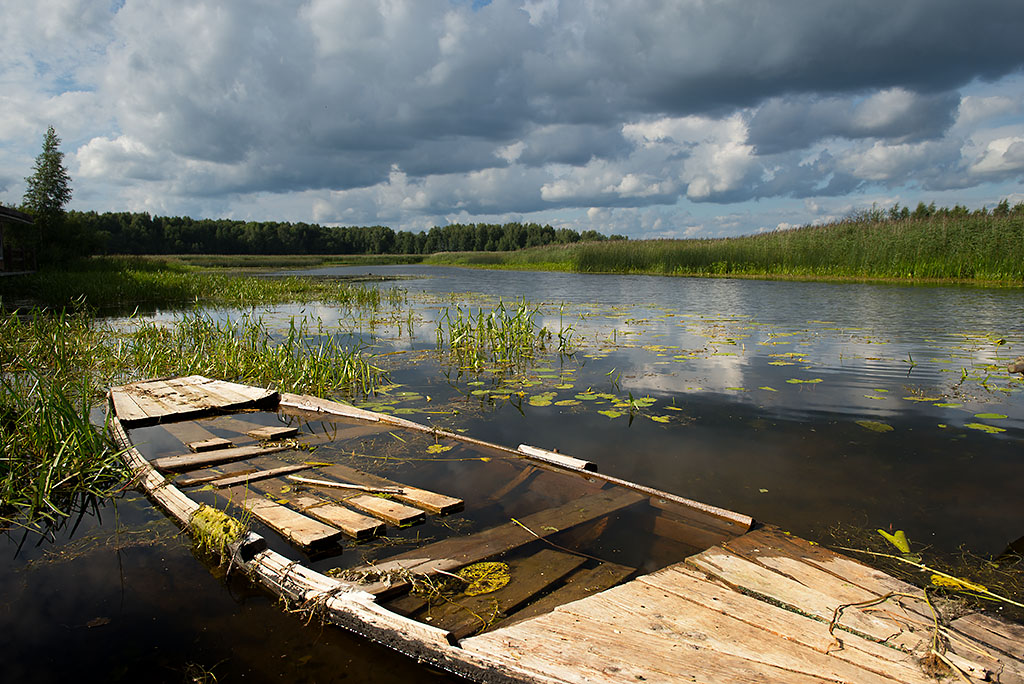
{"type": "Point", "coordinates": [465, 615]}
{"type": "Point", "coordinates": [756, 580]}
{"type": "Point", "coordinates": [207, 476]}
{"type": "Point", "coordinates": [578, 585]}
{"type": "Point", "coordinates": [297, 528]}
{"type": "Point", "coordinates": [211, 444]}
{"type": "Point", "coordinates": [524, 476]}
{"type": "Point", "coordinates": [231, 481]}
{"type": "Point", "coordinates": [420, 498]}
{"type": "Point", "coordinates": [272, 432]}
{"type": "Point", "coordinates": [637, 607]}
{"type": "Point", "coordinates": [556, 458]}
{"type": "Point", "coordinates": [191, 461]}
{"type": "Point", "coordinates": [125, 407]}
{"type": "Point", "coordinates": [1004, 636]}
{"type": "Point", "coordinates": [455, 552]}
{"type": "Point", "coordinates": [387, 510]}
{"type": "Point", "coordinates": [687, 532]}
{"type": "Point", "coordinates": [580, 651]}
{"type": "Point", "coordinates": [692, 586]}
{"type": "Point", "coordinates": [355, 525]}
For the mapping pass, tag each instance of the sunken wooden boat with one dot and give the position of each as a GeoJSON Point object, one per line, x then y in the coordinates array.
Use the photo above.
{"type": "Point", "coordinates": [525, 565]}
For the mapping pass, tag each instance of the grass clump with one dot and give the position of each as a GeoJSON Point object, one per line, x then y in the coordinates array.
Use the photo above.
{"type": "Point", "coordinates": [504, 336]}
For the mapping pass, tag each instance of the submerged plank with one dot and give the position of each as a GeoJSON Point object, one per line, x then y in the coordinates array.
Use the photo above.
{"type": "Point", "coordinates": [530, 576]}
{"type": "Point", "coordinates": [355, 525]}
{"type": "Point", "coordinates": [297, 528]}
{"type": "Point", "coordinates": [420, 498]}
{"type": "Point", "coordinates": [272, 432]}
{"type": "Point", "coordinates": [191, 461]}
{"type": "Point", "coordinates": [455, 552]}
{"type": "Point", "coordinates": [231, 481]}
{"type": "Point", "coordinates": [578, 585]}
{"type": "Point", "coordinates": [388, 511]}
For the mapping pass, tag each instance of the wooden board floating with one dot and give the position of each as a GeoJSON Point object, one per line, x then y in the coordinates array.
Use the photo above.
{"type": "Point", "coordinates": [388, 511]}
{"type": "Point", "coordinates": [193, 461]}
{"type": "Point", "coordinates": [355, 525]}
{"type": "Point", "coordinates": [420, 498]}
{"type": "Point", "coordinates": [272, 432]}
{"type": "Point", "coordinates": [301, 530]}
{"type": "Point", "coordinates": [209, 444]}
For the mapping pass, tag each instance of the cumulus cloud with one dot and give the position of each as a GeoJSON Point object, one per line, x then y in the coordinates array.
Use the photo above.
{"type": "Point", "coordinates": [406, 111]}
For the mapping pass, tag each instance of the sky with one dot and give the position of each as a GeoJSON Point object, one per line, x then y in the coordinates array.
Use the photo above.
{"type": "Point", "coordinates": [684, 118]}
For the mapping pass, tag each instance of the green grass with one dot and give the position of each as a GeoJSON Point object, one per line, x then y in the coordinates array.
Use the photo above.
{"type": "Point", "coordinates": [289, 261]}
{"type": "Point", "coordinates": [120, 282]}
{"type": "Point", "coordinates": [954, 247]}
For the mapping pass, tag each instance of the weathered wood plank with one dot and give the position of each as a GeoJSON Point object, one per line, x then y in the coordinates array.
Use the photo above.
{"type": "Point", "coordinates": [211, 444]}
{"type": "Point", "coordinates": [387, 510]}
{"type": "Point", "coordinates": [209, 475]}
{"type": "Point", "coordinates": [642, 608]}
{"type": "Point", "coordinates": [244, 478]}
{"type": "Point", "coordinates": [578, 585]}
{"type": "Point", "coordinates": [687, 532]}
{"type": "Point", "coordinates": [1007, 637]}
{"type": "Point", "coordinates": [524, 476]}
{"type": "Point", "coordinates": [272, 432]}
{"type": "Point", "coordinates": [467, 615]}
{"type": "Point", "coordinates": [582, 651]}
{"type": "Point", "coordinates": [191, 461]}
{"type": "Point", "coordinates": [299, 529]}
{"type": "Point", "coordinates": [420, 498]}
{"type": "Point", "coordinates": [355, 525]}
{"type": "Point", "coordinates": [759, 581]}
{"type": "Point", "coordinates": [125, 406]}
{"type": "Point", "coordinates": [693, 586]}
{"type": "Point", "coordinates": [453, 553]}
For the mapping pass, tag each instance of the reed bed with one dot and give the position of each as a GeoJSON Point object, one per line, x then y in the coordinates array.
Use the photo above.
{"type": "Point", "coordinates": [946, 245]}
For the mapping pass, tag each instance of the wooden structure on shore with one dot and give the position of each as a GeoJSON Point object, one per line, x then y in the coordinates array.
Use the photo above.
{"type": "Point", "coordinates": [710, 596]}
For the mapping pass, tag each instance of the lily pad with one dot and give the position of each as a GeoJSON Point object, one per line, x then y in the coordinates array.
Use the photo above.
{"type": "Point", "coordinates": [611, 413]}
{"type": "Point", "coordinates": [875, 426]}
{"type": "Point", "coordinates": [989, 416]}
{"type": "Point", "coordinates": [991, 429]}
{"type": "Point", "coordinates": [483, 578]}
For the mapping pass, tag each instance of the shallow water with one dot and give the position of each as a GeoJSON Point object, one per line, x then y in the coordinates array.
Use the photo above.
{"type": "Point", "coordinates": [807, 405]}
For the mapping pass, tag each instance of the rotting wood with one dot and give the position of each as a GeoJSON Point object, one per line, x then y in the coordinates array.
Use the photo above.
{"type": "Point", "coordinates": [580, 584]}
{"type": "Point", "coordinates": [192, 461]}
{"type": "Point", "coordinates": [388, 511]}
{"type": "Point", "coordinates": [355, 525]}
{"type": "Point", "coordinates": [530, 576]}
{"type": "Point", "coordinates": [687, 532]}
{"type": "Point", "coordinates": [244, 478]}
{"type": "Point", "coordinates": [752, 578]}
{"type": "Point", "coordinates": [420, 498]}
{"type": "Point", "coordinates": [1004, 636]}
{"type": "Point", "coordinates": [272, 432]}
{"type": "Point", "coordinates": [455, 552]}
{"type": "Point", "coordinates": [188, 431]}
{"type": "Point", "coordinates": [557, 458]}
{"type": "Point", "coordinates": [125, 407]}
{"type": "Point", "coordinates": [211, 444]}
{"type": "Point", "coordinates": [208, 476]}
{"type": "Point", "coordinates": [172, 399]}
{"type": "Point", "coordinates": [297, 528]}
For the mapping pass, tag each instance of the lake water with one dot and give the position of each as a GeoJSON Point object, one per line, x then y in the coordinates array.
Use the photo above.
{"type": "Point", "coordinates": [828, 409]}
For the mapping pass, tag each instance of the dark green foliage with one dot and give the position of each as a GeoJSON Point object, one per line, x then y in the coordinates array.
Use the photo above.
{"type": "Point", "coordinates": [47, 191]}
{"type": "Point", "coordinates": [128, 233]}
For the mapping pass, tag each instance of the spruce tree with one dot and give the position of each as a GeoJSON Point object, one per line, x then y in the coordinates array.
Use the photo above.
{"type": "Point", "coordinates": [47, 190]}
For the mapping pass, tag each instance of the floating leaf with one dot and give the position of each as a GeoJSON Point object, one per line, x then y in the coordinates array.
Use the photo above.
{"type": "Point", "coordinates": [483, 578]}
{"type": "Point", "coordinates": [611, 413]}
{"type": "Point", "coordinates": [899, 540]}
{"type": "Point", "coordinates": [874, 396]}
{"type": "Point", "coordinates": [948, 404]}
{"type": "Point", "coordinates": [437, 448]}
{"type": "Point", "coordinates": [991, 429]}
{"type": "Point", "coordinates": [989, 416]}
{"type": "Point", "coordinates": [923, 398]}
{"type": "Point", "coordinates": [875, 426]}
{"type": "Point", "coordinates": [766, 388]}
{"type": "Point", "coordinates": [798, 381]}
{"type": "Point", "coordinates": [567, 402]}
{"type": "Point", "coordinates": [661, 419]}
{"type": "Point", "coordinates": [543, 399]}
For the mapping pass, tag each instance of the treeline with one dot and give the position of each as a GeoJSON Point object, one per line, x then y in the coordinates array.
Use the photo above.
{"type": "Point", "coordinates": [140, 233]}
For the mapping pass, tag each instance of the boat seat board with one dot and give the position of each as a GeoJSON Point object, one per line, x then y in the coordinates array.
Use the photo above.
{"type": "Point", "coordinates": [389, 511]}
{"type": "Point", "coordinates": [353, 524]}
{"type": "Point", "coordinates": [153, 401]}
{"type": "Point", "coordinates": [301, 530]}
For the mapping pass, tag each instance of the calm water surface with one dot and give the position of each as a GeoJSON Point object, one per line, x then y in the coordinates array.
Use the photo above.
{"type": "Point", "coordinates": [813, 406]}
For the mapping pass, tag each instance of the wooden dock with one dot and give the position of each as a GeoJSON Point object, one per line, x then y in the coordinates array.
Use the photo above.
{"type": "Point", "coordinates": [733, 601]}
